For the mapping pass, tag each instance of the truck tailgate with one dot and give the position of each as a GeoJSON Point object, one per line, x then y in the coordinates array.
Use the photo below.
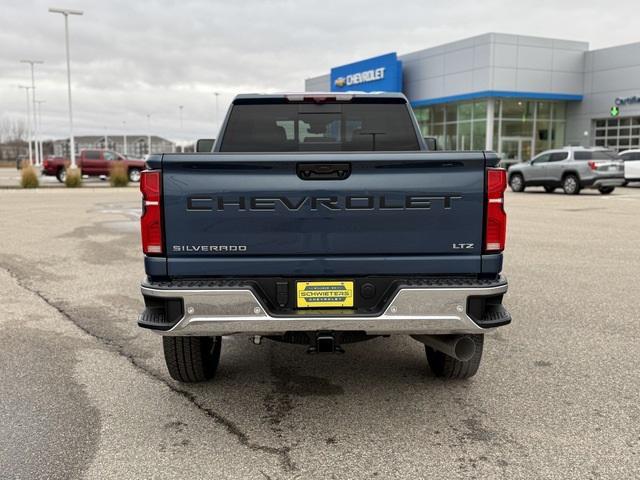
{"type": "Point", "coordinates": [263, 215]}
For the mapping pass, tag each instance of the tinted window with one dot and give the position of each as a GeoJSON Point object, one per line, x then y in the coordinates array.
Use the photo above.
{"type": "Point", "coordinates": [558, 156]}
{"type": "Point", "coordinates": [295, 127]}
{"type": "Point", "coordinates": [92, 155]}
{"type": "Point", "coordinates": [597, 155]}
{"type": "Point", "coordinates": [542, 158]}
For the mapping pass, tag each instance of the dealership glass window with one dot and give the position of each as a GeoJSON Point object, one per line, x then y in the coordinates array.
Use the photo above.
{"type": "Point", "coordinates": [544, 111]}
{"type": "Point", "coordinates": [517, 109]}
{"type": "Point", "coordinates": [517, 128]}
{"type": "Point", "coordinates": [479, 134]}
{"type": "Point", "coordinates": [480, 110]}
{"type": "Point", "coordinates": [465, 112]}
{"type": "Point", "coordinates": [529, 127]}
{"type": "Point", "coordinates": [451, 112]}
{"type": "Point", "coordinates": [464, 136]}
{"type": "Point", "coordinates": [450, 137]}
{"type": "Point", "coordinates": [456, 126]}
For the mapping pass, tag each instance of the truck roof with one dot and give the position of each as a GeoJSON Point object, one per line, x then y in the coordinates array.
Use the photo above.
{"type": "Point", "coordinates": [346, 95]}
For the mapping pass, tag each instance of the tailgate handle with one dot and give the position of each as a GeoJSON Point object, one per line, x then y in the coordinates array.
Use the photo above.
{"type": "Point", "coordinates": [323, 171]}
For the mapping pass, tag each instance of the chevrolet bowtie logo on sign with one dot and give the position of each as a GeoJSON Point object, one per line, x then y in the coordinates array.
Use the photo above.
{"type": "Point", "coordinates": [340, 82]}
{"type": "Point", "coordinates": [324, 294]}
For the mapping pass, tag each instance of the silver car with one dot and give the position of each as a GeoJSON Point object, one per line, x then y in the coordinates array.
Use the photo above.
{"type": "Point", "coordinates": [570, 168]}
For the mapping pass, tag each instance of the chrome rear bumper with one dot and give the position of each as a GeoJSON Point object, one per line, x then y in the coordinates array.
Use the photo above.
{"type": "Point", "coordinates": [413, 311]}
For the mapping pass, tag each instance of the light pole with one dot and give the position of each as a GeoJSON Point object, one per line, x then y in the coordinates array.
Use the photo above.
{"type": "Point", "coordinates": [124, 136]}
{"type": "Point", "coordinates": [35, 120]}
{"type": "Point", "coordinates": [66, 13]}
{"type": "Point", "coordinates": [217, 94]}
{"type": "Point", "coordinates": [26, 89]}
{"type": "Point", "coordinates": [180, 107]}
{"type": "Point", "coordinates": [148, 133]}
{"type": "Point", "coordinates": [40, 102]}
{"type": "Point", "coordinates": [106, 139]}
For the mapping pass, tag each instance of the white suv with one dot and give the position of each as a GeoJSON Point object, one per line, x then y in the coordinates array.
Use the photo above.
{"type": "Point", "coordinates": [631, 159]}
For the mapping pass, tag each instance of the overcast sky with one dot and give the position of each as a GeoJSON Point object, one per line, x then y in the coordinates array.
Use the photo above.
{"type": "Point", "coordinates": [130, 58]}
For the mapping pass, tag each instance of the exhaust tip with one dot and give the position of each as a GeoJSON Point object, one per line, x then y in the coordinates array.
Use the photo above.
{"type": "Point", "coordinates": [465, 348]}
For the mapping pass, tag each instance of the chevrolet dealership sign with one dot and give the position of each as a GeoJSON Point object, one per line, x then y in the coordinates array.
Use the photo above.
{"type": "Point", "coordinates": [377, 74]}
{"type": "Point", "coordinates": [360, 77]}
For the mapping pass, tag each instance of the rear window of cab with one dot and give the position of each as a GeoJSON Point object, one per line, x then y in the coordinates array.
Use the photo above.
{"type": "Point", "coordinates": [330, 126]}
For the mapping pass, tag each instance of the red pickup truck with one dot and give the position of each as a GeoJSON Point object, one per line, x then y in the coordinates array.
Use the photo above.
{"type": "Point", "coordinates": [94, 163]}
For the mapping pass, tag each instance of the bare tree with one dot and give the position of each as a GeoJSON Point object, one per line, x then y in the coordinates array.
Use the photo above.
{"type": "Point", "coordinates": [12, 130]}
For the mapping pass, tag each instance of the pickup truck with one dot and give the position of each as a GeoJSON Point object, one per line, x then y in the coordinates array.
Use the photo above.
{"type": "Point", "coordinates": [322, 219]}
{"type": "Point", "coordinates": [94, 163]}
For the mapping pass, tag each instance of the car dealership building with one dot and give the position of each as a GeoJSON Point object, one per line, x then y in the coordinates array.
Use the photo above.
{"type": "Point", "coordinates": [514, 94]}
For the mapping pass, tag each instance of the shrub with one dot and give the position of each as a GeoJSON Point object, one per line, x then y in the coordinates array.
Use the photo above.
{"type": "Point", "coordinates": [118, 176]}
{"type": "Point", "coordinates": [28, 176]}
{"type": "Point", "coordinates": [73, 178]}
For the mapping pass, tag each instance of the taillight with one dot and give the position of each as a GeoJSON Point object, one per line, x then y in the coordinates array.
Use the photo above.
{"type": "Point", "coordinates": [151, 219]}
{"type": "Point", "coordinates": [592, 165]}
{"type": "Point", "coordinates": [495, 231]}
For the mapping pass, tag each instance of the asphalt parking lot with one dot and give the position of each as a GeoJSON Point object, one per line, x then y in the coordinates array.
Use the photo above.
{"type": "Point", "coordinates": [85, 393]}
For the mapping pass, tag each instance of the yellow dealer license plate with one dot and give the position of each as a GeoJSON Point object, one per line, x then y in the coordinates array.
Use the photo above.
{"type": "Point", "coordinates": [324, 294]}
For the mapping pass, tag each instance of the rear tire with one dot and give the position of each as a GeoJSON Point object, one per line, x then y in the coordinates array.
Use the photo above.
{"type": "Point", "coordinates": [444, 366]}
{"type": "Point", "coordinates": [192, 359]}
{"type": "Point", "coordinates": [571, 184]}
{"type": "Point", "coordinates": [61, 174]}
{"type": "Point", "coordinates": [549, 189]}
{"type": "Point", "coordinates": [606, 190]}
{"type": "Point", "coordinates": [516, 182]}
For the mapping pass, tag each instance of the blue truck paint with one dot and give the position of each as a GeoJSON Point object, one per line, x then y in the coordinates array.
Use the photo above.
{"type": "Point", "coordinates": [324, 266]}
{"type": "Point", "coordinates": [441, 217]}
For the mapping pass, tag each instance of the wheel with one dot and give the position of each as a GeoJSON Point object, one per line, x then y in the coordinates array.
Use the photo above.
{"type": "Point", "coordinates": [571, 184]}
{"type": "Point", "coordinates": [134, 175]}
{"type": "Point", "coordinates": [516, 182]}
{"type": "Point", "coordinates": [549, 189]}
{"type": "Point", "coordinates": [61, 175]}
{"type": "Point", "coordinates": [444, 366]}
{"type": "Point", "coordinates": [192, 359]}
{"type": "Point", "coordinates": [606, 190]}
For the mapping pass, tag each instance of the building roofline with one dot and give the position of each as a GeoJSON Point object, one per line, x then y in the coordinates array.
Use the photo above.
{"type": "Point", "coordinates": [354, 93]}
{"type": "Point", "coordinates": [497, 94]}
